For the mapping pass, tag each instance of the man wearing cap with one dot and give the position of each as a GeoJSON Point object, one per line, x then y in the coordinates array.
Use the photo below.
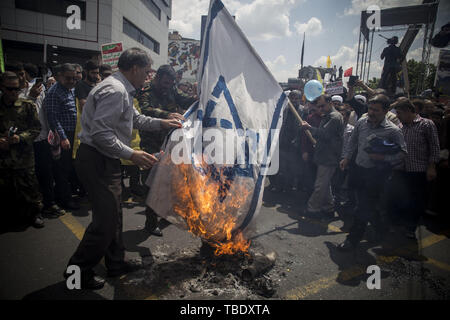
{"type": "Point", "coordinates": [327, 153]}
{"type": "Point", "coordinates": [337, 100]}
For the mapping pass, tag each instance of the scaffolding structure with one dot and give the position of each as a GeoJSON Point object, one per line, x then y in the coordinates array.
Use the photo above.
{"type": "Point", "coordinates": [410, 18]}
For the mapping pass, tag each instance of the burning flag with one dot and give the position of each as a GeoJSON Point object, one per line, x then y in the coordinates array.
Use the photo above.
{"type": "Point", "coordinates": [210, 179]}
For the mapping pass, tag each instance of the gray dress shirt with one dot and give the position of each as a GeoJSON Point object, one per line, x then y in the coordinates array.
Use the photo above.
{"type": "Point", "coordinates": [109, 117]}
{"type": "Point", "coordinates": [360, 140]}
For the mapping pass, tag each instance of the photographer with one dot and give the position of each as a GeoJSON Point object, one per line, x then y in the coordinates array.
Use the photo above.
{"type": "Point", "coordinates": [392, 56]}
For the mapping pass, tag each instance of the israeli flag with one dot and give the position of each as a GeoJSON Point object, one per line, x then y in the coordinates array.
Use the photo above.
{"type": "Point", "coordinates": [230, 134]}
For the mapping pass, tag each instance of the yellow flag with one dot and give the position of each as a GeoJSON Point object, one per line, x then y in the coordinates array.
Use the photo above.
{"type": "Point", "coordinates": [328, 62]}
{"type": "Point", "coordinates": [319, 76]}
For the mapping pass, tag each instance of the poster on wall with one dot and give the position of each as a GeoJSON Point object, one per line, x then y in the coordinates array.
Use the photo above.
{"type": "Point", "coordinates": [185, 56]}
{"type": "Point", "coordinates": [111, 53]}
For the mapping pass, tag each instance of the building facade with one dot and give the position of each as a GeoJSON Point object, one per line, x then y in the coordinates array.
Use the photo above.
{"type": "Point", "coordinates": [62, 31]}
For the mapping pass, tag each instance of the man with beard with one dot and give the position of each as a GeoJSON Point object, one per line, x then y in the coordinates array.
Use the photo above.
{"type": "Point", "coordinates": [85, 86]}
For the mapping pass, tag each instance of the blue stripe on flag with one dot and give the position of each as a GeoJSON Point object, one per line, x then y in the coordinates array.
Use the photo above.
{"type": "Point", "coordinates": [216, 7]}
{"type": "Point", "coordinates": [231, 105]}
{"type": "Point", "coordinates": [258, 186]}
{"type": "Point", "coordinates": [192, 109]}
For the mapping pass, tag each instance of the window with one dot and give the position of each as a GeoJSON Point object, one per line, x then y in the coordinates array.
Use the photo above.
{"type": "Point", "coordinates": [140, 36]}
{"type": "Point", "coordinates": [153, 8]}
{"type": "Point", "coordinates": [52, 7]}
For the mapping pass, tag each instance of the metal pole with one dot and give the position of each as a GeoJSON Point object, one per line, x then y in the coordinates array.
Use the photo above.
{"type": "Point", "coordinates": [359, 48]}
{"type": "Point", "coordinates": [363, 59]}
{"type": "Point", "coordinates": [370, 56]}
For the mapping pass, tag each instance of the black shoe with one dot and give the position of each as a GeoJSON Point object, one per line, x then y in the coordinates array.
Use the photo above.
{"type": "Point", "coordinates": [156, 231]}
{"type": "Point", "coordinates": [89, 280]}
{"type": "Point", "coordinates": [38, 222]}
{"type": "Point", "coordinates": [327, 215]}
{"type": "Point", "coordinates": [71, 205]}
{"type": "Point", "coordinates": [346, 246]}
{"type": "Point", "coordinates": [53, 211]}
{"type": "Point", "coordinates": [151, 225]}
{"type": "Point", "coordinates": [92, 282]}
{"type": "Point", "coordinates": [126, 267]}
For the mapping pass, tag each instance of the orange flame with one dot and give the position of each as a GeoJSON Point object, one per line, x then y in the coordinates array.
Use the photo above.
{"type": "Point", "coordinates": [198, 202]}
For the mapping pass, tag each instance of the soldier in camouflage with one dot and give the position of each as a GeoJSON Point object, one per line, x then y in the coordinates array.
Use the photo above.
{"type": "Point", "coordinates": [19, 126]}
{"type": "Point", "coordinates": [160, 99]}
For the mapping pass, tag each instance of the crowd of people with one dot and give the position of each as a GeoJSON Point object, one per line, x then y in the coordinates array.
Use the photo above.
{"type": "Point", "coordinates": [48, 146]}
{"type": "Point", "coordinates": [381, 159]}
{"type": "Point", "coordinates": [69, 136]}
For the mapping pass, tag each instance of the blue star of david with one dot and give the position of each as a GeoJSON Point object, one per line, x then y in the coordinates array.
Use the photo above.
{"type": "Point", "coordinates": [225, 175]}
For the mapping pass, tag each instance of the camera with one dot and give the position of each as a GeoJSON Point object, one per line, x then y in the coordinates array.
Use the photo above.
{"type": "Point", "coordinates": [393, 40]}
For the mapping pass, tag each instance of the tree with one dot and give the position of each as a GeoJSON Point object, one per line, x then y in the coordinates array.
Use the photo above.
{"type": "Point", "coordinates": [415, 74]}
{"type": "Point", "coordinates": [373, 84]}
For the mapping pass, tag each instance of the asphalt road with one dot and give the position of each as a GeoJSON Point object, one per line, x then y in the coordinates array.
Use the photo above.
{"type": "Point", "coordinates": [308, 265]}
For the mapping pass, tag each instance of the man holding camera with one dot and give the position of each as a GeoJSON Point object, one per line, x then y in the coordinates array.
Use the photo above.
{"type": "Point", "coordinates": [392, 56]}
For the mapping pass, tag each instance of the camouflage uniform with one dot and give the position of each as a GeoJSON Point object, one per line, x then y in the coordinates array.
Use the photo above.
{"type": "Point", "coordinates": [157, 105]}
{"type": "Point", "coordinates": [18, 182]}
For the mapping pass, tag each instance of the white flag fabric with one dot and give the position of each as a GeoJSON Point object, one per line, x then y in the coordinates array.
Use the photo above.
{"type": "Point", "coordinates": [216, 164]}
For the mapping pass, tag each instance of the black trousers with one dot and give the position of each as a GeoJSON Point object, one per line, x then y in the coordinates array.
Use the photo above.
{"type": "Point", "coordinates": [65, 172]}
{"type": "Point", "coordinates": [46, 171]}
{"type": "Point", "coordinates": [370, 196]}
{"type": "Point", "coordinates": [101, 177]}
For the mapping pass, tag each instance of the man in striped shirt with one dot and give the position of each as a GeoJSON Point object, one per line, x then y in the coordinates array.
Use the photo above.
{"type": "Point", "coordinates": [422, 143]}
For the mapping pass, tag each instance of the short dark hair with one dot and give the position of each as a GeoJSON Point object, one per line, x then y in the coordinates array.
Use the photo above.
{"type": "Point", "coordinates": [166, 69]}
{"type": "Point", "coordinates": [91, 65]}
{"type": "Point", "coordinates": [344, 109]}
{"type": "Point", "coordinates": [76, 65]}
{"type": "Point", "coordinates": [405, 105]}
{"type": "Point", "coordinates": [8, 75]}
{"type": "Point", "coordinates": [31, 69]}
{"type": "Point", "coordinates": [419, 104]}
{"type": "Point", "coordinates": [105, 67]}
{"type": "Point", "coordinates": [381, 99]}
{"type": "Point", "coordinates": [134, 57]}
{"type": "Point", "coordinates": [15, 66]}
{"type": "Point", "coordinates": [327, 98]}
{"type": "Point", "coordinates": [67, 67]}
